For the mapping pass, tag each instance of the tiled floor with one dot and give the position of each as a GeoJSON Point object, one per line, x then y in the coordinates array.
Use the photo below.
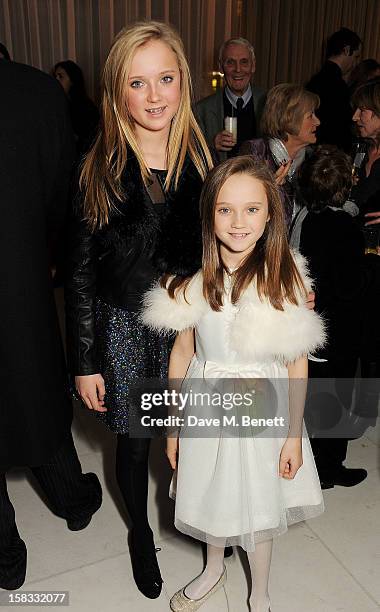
{"type": "Point", "coordinates": [330, 564]}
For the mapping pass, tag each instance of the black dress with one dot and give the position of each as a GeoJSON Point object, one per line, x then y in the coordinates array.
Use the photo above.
{"type": "Point", "coordinates": [366, 194]}
{"type": "Point", "coordinates": [128, 350]}
{"type": "Point", "coordinates": [109, 271]}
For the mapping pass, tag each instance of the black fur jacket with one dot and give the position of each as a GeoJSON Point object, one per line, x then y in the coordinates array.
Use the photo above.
{"type": "Point", "coordinates": [119, 263]}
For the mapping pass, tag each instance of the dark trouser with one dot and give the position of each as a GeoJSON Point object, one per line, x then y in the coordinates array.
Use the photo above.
{"type": "Point", "coordinates": [71, 495]}
{"type": "Point", "coordinates": [132, 456]}
{"type": "Point", "coordinates": [367, 402]}
{"type": "Point", "coordinates": [330, 453]}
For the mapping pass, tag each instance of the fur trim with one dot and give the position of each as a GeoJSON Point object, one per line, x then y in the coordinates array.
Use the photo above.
{"type": "Point", "coordinates": [172, 239]}
{"type": "Point", "coordinates": [259, 332]}
{"type": "Point", "coordinates": [179, 251]}
{"type": "Point", "coordinates": [262, 333]}
{"type": "Point", "coordinates": [164, 314]}
{"type": "Point", "coordinates": [303, 269]}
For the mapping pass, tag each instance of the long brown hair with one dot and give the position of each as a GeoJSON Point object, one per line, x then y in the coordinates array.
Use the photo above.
{"type": "Point", "coordinates": [270, 263]}
{"type": "Point", "coordinates": [100, 179]}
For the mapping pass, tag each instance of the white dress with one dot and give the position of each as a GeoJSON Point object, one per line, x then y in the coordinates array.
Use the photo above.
{"type": "Point", "coordinates": [227, 488]}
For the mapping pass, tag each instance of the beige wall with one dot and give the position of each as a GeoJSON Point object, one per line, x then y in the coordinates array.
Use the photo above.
{"type": "Point", "coordinates": [287, 34]}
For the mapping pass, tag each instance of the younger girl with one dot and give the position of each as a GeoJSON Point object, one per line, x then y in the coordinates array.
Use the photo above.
{"type": "Point", "coordinates": [243, 316]}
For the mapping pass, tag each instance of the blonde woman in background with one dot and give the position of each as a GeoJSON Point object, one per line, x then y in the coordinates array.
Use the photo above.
{"type": "Point", "coordinates": [135, 218]}
{"type": "Point", "coordinates": [289, 125]}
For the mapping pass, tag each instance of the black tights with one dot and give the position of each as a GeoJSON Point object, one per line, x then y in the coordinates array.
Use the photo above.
{"type": "Point", "coordinates": [132, 456]}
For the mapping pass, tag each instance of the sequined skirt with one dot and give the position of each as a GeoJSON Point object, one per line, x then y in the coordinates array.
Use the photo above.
{"type": "Point", "coordinates": [128, 351]}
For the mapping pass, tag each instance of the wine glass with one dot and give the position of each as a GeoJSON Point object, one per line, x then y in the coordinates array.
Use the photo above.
{"type": "Point", "coordinates": [358, 152]}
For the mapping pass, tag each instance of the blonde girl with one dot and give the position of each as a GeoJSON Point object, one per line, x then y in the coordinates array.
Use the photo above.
{"type": "Point", "coordinates": [136, 217]}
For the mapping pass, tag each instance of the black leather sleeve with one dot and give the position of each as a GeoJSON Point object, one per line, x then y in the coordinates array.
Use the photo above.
{"type": "Point", "coordinates": [80, 292]}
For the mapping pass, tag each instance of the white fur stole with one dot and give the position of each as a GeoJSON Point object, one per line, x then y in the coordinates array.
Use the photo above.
{"type": "Point", "coordinates": [259, 332]}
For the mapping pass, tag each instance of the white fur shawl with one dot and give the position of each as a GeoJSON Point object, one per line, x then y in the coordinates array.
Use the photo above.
{"type": "Point", "coordinates": [259, 332]}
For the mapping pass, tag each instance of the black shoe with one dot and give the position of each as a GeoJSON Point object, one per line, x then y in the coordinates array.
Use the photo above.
{"type": "Point", "coordinates": [13, 584]}
{"type": "Point", "coordinates": [13, 565]}
{"type": "Point", "coordinates": [326, 484]}
{"type": "Point", "coordinates": [79, 524]}
{"type": "Point", "coordinates": [146, 571]}
{"type": "Point", "coordinates": [344, 477]}
{"type": "Point", "coordinates": [94, 502]}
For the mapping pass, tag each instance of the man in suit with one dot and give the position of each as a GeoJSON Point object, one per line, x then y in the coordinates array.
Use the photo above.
{"type": "Point", "coordinates": [239, 98]}
{"type": "Point", "coordinates": [37, 152]}
{"type": "Point", "coordinates": [335, 112]}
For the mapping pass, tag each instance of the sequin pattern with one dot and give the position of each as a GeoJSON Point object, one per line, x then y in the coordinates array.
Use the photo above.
{"type": "Point", "coordinates": [129, 351]}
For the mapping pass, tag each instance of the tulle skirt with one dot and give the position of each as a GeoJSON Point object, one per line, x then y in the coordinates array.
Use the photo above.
{"type": "Point", "coordinates": [228, 490]}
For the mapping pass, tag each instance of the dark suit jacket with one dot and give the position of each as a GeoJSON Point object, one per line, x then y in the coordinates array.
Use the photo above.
{"type": "Point", "coordinates": [36, 152]}
{"type": "Point", "coordinates": [345, 279]}
{"type": "Point", "coordinates": [335, 112]}
{"type": "Point", "coordinates": [210, 115]}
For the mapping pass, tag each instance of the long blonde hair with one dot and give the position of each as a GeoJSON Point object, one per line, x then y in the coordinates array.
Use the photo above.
{"type": "Point", "coordinates": [100, 178]}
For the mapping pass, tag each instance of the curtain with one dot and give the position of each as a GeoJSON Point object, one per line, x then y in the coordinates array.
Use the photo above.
{"type": "Point", "coordinates": [288, 35]}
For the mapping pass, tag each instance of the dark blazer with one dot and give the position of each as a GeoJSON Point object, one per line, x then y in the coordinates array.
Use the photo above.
{"type": "Point", "coordinates": [120, 261]}
{"type": "Point", "coordinates": [344, 278]}
{"type": "Point", "coordinates": [335, 110]}
{"type": "Point", "coordinates": [36, 152]}
{"type": "Point", "coordinates": [210, 115]}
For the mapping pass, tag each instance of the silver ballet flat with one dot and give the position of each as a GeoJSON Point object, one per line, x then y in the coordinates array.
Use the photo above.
{"type": "Point", "coordinates": [181, 603]}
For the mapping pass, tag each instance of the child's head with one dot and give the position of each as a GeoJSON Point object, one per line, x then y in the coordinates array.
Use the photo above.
{"type": "Point", "coordinates": [243, 227]}
{"type": "Point", "coordinates": [326, 178]}
{"type": "Point", "coordinates": [154, 48]}
{"type": "Point", "coordinates": [146, 89]}
{"type": "Point", "coordinates": [240, 209]}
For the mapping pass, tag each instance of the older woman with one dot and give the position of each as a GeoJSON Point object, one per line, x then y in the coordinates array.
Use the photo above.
{"type": "Point", "coordinates": [289, 125]}
{"type": "Point", "coordinates": [366, 100]}
{"type": "Point", "coordinates": [366, 193]}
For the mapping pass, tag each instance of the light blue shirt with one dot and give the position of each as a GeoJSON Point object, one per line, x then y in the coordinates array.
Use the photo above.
{"type": "Point", "coordinates": [247, 95]}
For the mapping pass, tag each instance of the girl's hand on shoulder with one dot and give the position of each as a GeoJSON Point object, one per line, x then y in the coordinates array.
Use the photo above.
{"type": "Point", "coordinates": [91, 389]}
{"type": "Point", "coordinates": [310, 300]}
{"type": "Point", "coordinates": [290, 458]}
{"type": "Point", "coordinates": [172, 450]}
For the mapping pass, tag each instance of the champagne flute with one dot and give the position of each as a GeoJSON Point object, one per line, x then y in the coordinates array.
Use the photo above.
{"type": "Point", "coordinates": [359, 150]}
